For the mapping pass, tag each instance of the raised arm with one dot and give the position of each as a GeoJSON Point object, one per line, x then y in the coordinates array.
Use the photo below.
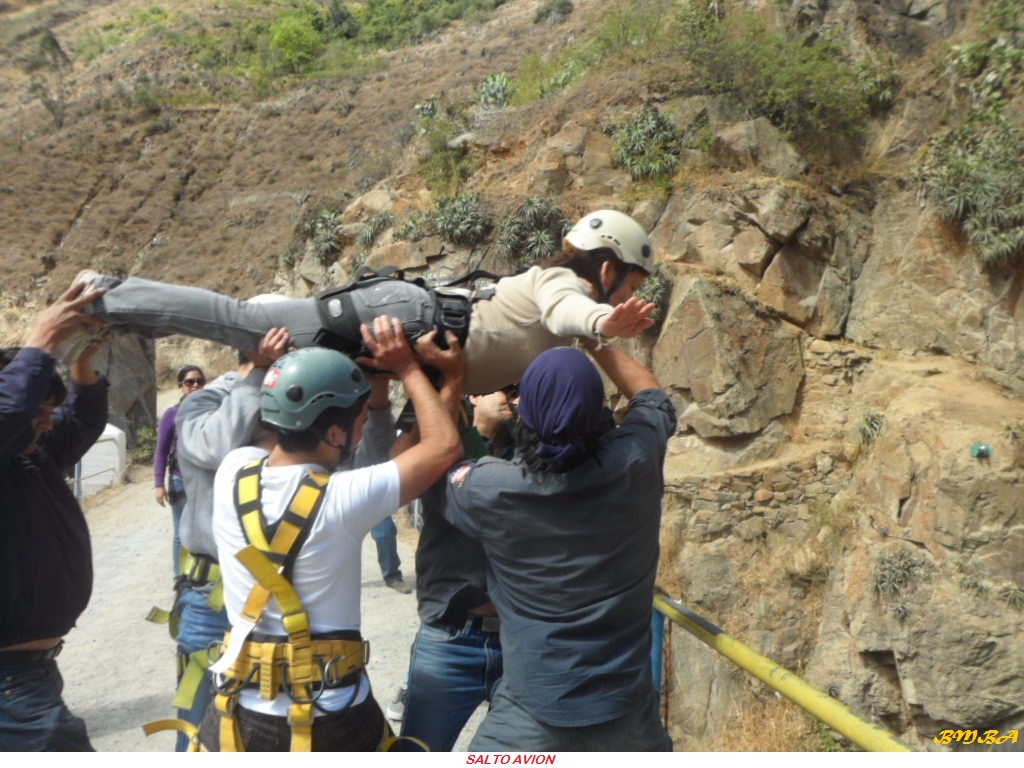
{"type": "Point", "coordinates": [424, 463]}
{"type": "Point", "coordinates": [625, 372]}
{"type": "Point", "coordinates": [451, 364]}
{"type": "Point", "coordinates": [628, 319]}
{"type": "Point", "coordinates": [212, 422]}
{"type": "Point", "coordinates": [65, 318]}
{"type": "Point", "coordinates": [379, 431]}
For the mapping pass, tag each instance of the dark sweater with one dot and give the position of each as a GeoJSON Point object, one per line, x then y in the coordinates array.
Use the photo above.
{"type": "Point", "coordinates": [45, 555]}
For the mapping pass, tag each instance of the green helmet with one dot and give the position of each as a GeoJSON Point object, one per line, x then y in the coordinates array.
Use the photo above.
{"type": "Point", "coordinates": [303, 384]}
{"type": "Point", "coordinates": [617, 231]}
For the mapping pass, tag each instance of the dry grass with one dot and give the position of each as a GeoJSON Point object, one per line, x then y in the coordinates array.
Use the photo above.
{"type": "Point", "coordinates": [775, 725]}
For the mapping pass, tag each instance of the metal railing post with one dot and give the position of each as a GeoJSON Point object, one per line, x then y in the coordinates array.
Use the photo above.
{"type": "Point", "coordinates": [835, 714]}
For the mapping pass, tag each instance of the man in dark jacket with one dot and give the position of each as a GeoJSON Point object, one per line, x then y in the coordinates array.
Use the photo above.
{"type": "Point", "coordinates": [45, 554]}
{"type": "Point", "coordinates": [570, 531]}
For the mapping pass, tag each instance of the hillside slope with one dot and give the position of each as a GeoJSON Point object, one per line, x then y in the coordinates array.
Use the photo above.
{"type": "Point", "coordinates": [836, 343]}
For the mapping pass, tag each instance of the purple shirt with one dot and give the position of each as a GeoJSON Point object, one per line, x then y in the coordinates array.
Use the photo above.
{"type": "Point", "coordinates": [164, 440]}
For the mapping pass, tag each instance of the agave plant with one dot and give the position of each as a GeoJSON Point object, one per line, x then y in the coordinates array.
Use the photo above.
{"type": "Point", "coordinates": [462, 220]}
{"type": "Point", "coordinates": [532, 232]}
{"type": "Point", "coordinates": [375, 227]}
{"type": "Point", "coordinates": [647, 146]}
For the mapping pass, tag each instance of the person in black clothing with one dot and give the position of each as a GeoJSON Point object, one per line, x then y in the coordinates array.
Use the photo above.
{"type": "Point", "coordinates": [455, 662]}
{"type": "Point", "coordinates": [45, 553]}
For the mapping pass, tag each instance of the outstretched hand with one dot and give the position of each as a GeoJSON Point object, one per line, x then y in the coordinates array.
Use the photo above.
{"type": "Point", "coordinates": [65, 318]}
{"type": "Point", "coordinates": [450, 362]}
{"type": "Point", "coordinates": [627, 319]}
{"type": "Point", "coordinates": [390, 348]}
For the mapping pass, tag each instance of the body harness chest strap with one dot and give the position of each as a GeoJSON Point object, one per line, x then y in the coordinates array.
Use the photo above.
{"type": "Point", "coordinates": [291, 667]}
{"type": "Point", "coordinates": [301, 667]}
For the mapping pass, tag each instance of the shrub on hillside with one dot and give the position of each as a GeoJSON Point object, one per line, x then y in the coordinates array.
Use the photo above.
{"type": "Point", "coordinates": [646, 146]}
{"type": "Point", "coordinates": [496, 90]}
{"type": "Point", "coordinates": [296, 39]}
{"type": "Point", "coordinates": [462, 220]}
{"type": "Point", "coordinates": [974, 176]}
{"type": "Point", "coordinates": [532, 232]}
{"type": "Point", "coordinates": [973, 172]}
{"type": "Point", "coordinates": [552, 11]}
{"type": "Point", "coordinates": [375, 227]}
{"type": "Point", "coordinates": [808, 89]}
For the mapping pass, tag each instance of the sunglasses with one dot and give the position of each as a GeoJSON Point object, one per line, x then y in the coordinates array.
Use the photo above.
{"type": "Point", "coordinates": [193, 382]}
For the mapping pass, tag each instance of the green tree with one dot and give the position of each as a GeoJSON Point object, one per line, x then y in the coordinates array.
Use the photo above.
{"type": "Point", "coordinates": [296, 39]}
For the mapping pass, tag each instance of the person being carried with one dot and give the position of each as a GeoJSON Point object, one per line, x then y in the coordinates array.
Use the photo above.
{"type": "Point", "coordinates": [569, 528]}
{"type": "Point", "coordinates": [584, 291]}
{"type": "Point", "coordinates": [290, 527]}
{"type": "Point", "coordinates": [45, 553]}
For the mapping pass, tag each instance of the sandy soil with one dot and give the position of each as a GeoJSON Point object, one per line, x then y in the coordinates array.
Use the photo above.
{"type": "Point", "coordinates": [119, 668]}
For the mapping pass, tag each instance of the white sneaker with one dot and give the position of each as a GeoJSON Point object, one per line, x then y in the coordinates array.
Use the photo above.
{"type": "Point", "coordinates": [69, 350]}
{"type": "Point", "coordinates": [396, 709]}
{"type": "Point", "coordinates": [91, 278]}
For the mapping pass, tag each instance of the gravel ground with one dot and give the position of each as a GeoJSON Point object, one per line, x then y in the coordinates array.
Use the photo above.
{"type": "Point", "coordinates": [119, 669]}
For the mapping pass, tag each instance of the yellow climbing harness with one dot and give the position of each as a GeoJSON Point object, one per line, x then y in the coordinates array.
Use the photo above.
{"type": "Point", "coordinates": [300, 664]}
{"type": "Point", "coordinates": [304, 666]}
{"type": "Point", "coordinates": [292, 666]}
{"type": "Point", "coordinates": [196, 571]}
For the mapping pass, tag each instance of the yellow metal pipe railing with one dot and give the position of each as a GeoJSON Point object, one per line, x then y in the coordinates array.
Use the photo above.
{"type": "Point", "coordinates": [835, 714]}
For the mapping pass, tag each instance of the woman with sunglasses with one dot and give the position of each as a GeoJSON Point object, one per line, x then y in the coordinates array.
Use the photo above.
{"type": "Point", "coordinates": [165, 462]}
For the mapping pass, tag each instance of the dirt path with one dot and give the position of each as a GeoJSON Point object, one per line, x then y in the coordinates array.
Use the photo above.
{"type": "Point", "coordinates": [119, 669]}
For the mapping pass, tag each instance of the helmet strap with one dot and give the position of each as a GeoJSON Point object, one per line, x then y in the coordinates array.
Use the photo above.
{"type": "Point", "coordinates": [346, 448]}
{"type": "Point", "coordinates": [620, 278]}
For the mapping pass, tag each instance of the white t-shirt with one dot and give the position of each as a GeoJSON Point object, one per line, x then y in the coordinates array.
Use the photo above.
{"type": "Point", "coordinates": [328, 571]}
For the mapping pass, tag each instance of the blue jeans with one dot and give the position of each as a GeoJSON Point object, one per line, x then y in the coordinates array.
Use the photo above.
{"type": "Point", "coordinates": [33, 717]}
{"type": "Point", "coordinates": [451, 672]}
{"type": "Point", "coordinates": [176, 489]}
{"type": "Point", "coordinates": [385, 536]}
{"type": "Point", "coordinates": [198, 626]}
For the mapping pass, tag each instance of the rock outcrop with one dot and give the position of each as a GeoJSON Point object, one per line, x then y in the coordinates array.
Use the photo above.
{"type": "Point", "coordinates": [839, 354]}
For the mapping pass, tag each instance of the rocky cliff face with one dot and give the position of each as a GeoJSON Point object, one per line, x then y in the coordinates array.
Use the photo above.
{"type": "Point", "coordinates": [839, 355]}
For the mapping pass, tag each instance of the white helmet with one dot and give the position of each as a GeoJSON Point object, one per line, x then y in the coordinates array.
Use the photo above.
{"type": "Point", "coordinates": [616, 231]}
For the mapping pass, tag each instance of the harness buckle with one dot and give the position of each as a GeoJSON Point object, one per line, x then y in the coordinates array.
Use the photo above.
{"type": "Point", "coordinates": [290, 688]}
{"type": "Point", "coordinates": [227, 689]}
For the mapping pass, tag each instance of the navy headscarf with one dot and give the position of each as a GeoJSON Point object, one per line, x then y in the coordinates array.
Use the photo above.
{"type": "Point", "coordinates": [561, 398]}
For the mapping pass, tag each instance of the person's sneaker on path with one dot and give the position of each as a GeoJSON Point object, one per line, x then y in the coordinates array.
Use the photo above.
{"type": "Point", "coordinates": [399, 585]}
{"type": "Point", "coordinates": [396, 709]}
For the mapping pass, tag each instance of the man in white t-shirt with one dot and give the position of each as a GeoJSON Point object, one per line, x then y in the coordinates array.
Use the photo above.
{"type": "Point", "coordinates": [271, 699]}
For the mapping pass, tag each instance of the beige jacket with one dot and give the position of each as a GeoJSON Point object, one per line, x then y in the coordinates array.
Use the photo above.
{"type": "Point", "coordinates": [529, 313]}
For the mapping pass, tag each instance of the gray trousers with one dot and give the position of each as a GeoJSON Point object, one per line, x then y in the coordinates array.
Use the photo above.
{"type": "Point", "coordinates": [153, 309]}
{"type": "Point", "coordinates": [508, 727]}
